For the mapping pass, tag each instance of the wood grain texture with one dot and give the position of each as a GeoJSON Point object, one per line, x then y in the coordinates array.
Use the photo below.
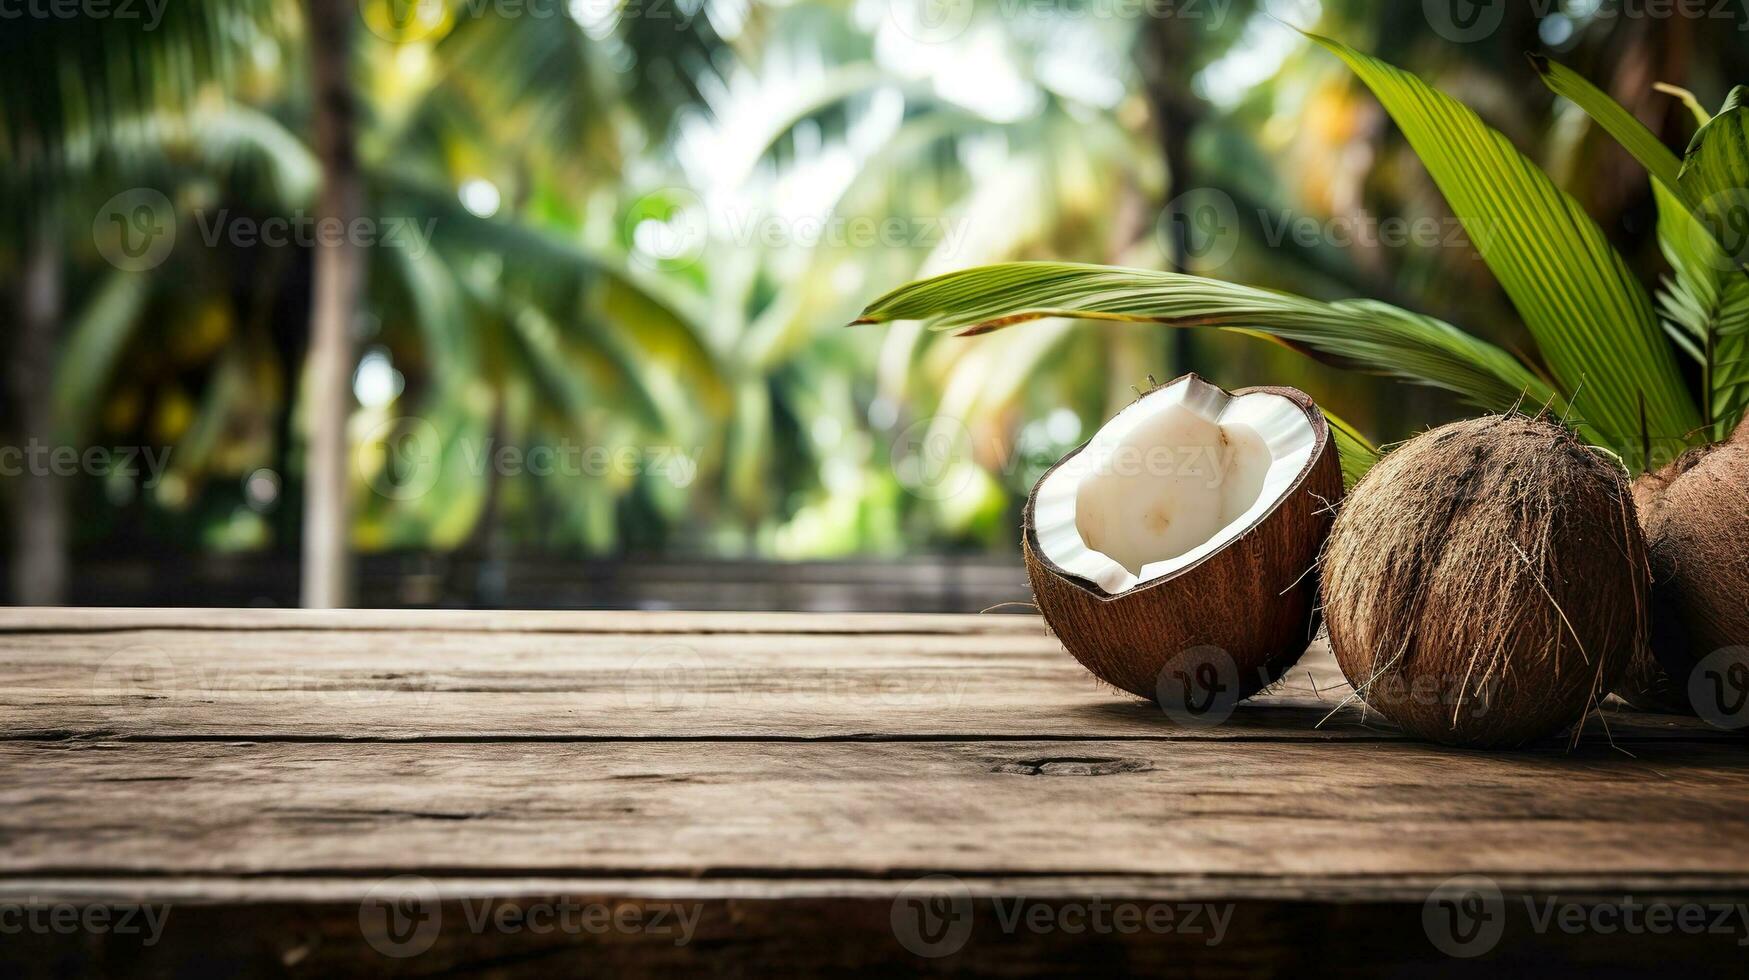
{"type": "Point", "coordinates": [884, 809]}
{"type": "Point", "coordinates": [793, 782]}
{"type": "Point", "coordinates": [953, 682]}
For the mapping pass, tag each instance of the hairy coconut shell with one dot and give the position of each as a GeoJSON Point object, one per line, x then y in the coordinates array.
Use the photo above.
{"type": "Point", "coordinates": [1485, 584]}
{"type": "Point", "coordinates": [1695, 514]}
{"type": "Point", "coordinates": [1254, 599]}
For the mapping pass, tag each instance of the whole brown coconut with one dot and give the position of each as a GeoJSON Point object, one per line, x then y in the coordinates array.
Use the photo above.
{"type": "Point", "coordinates": [1166, 570]}
{"type": "Point", "coordinates": [1486, 583]}
{"type": "Point", "coordinates": [1695, 515]}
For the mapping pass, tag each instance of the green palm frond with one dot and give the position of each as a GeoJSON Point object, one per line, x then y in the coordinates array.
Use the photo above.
{"type": "Point", "coordinates": [1715, 170]}
{"type": "Point", "coordinates": [1705, 304]}
{"type": "Point", "coordinates": [1593, 322]}
{"type": "Point", "coordinates": [1371, 335]}
{"type": "Point", "coordinates": [1356, 451]}
{"type": "Point", "coordinates": [1715, 271]}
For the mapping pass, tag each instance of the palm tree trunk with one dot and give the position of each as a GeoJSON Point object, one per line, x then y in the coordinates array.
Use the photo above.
{"type": "Point", "coordinates": [1177, 110]}
{"type": "Point", "coordinates": [39, 559]}
{"type": "Point", "coordinates": [337, 281]}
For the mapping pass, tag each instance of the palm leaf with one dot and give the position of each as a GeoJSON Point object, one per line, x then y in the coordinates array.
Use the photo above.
{"type": "Point", "coordinates": [1593, 323]}
{"type": "Point", "coordinates": [1714, 267]}
{"type": "Point", "coordinates": [1372, 335]}
{"type": "Point", "coordinates": [1706, 306]}
{"type": "Point", "coordinates": [1717, 162]}
{"type": "Point", "coordinates": [1354, 450]}
{"type": "Point", "coordinates": [1706, 303]}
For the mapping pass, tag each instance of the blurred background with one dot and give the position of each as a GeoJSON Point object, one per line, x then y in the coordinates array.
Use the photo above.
{"type": "Point", "coordinates": [542, 302]}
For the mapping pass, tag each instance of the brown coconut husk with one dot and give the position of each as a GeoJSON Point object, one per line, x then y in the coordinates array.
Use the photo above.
{"type": "Point", "coordinates": [1695, 516]}
{"type": "Point", "coordinates": [1256, 599]}
{"type": "Point", "coordinates": [1486, 583]}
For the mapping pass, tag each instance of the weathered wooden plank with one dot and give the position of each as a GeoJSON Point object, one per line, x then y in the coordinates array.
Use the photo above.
{"type": "Point", "coordinates": [337, 683]}
{"type": "Point", "coordinates": [588, 932]}
{"type": "Point", "coordinates": [789, 780]}
{"type": "Point", "coordinates": [871, 810]}
{"type": "Point", "coordinates": [63, 619]}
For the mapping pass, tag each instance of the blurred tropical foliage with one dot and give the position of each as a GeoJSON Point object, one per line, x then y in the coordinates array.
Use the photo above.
{"type": "Point", "coordinates": [629, 231]}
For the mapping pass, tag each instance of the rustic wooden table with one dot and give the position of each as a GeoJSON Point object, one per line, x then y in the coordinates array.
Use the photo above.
{"type": "Point", "coordinates": [545, 793]}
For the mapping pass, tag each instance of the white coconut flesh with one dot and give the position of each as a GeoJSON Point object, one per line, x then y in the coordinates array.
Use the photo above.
{"type": "Point", "coordinates": [1172, 479]}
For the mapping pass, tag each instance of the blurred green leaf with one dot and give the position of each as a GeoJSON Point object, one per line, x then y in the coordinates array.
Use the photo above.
{"type": "Point", "coordinates": [95, 340]}
{"type": "Point", "coordinates": [1659, 160]}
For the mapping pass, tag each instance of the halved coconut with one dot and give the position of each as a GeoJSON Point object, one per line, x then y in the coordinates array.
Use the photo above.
{"type": "Point", "coordinates": [1191, 521]}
